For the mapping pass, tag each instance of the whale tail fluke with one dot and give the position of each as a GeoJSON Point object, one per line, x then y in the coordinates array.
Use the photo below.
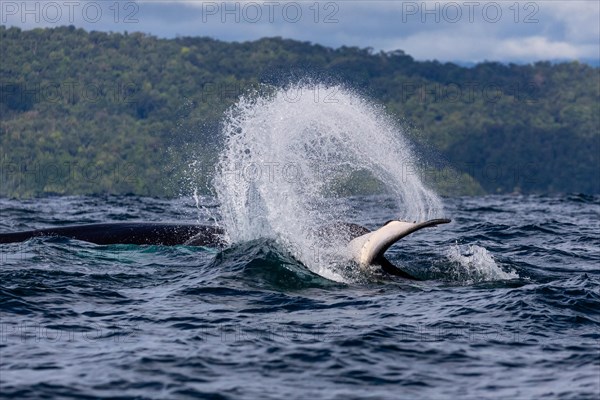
{"type": "Point", "coordinates": [369, 248]}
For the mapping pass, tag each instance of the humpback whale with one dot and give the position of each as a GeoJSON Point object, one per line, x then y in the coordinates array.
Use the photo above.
{"type": "Point", "coordinates": [364, 246]}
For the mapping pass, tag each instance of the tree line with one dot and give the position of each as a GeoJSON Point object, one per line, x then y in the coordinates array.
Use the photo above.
{"type": "Point", "coordinates": [94, 112]}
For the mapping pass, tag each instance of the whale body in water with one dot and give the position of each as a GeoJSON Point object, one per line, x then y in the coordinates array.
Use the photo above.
{"type": "Point", "coordinates": [165, 234]}
{"type": "Point", "coordinates": [364, 246]}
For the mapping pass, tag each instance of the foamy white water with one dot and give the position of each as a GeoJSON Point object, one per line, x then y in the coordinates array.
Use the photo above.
{"type": "Point", "coordinates": [474, 263]}
{"type": "Point", "coordinates": [286, 152]}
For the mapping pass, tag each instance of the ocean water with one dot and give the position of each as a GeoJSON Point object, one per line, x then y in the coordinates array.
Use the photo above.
{"type": "Point", "coordinates": [508, 307]}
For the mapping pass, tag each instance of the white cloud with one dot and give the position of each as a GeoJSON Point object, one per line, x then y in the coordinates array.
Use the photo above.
{"type": "Point", "coordinates": [538, 47]}
{"type": "Point", "coordinates": [581, 18]}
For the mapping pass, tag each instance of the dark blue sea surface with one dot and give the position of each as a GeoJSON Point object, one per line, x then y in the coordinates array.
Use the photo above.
{"type": "Point", "coordinates": [509, 307]}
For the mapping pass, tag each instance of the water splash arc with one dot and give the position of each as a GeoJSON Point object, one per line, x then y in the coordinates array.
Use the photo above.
{"type": "Point", "coordinates": [286, 152]}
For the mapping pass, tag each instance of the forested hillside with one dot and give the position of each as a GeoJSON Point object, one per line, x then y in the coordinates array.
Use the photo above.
{"type": "Point", "coordinates": [91, 112]}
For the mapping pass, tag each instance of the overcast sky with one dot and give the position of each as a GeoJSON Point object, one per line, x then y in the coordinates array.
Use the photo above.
{"type": "Point", "coordinates": [464, 31]}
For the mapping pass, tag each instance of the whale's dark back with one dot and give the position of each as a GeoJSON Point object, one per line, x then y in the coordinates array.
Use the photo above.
{"type": "Point", "coordinates": [129, 233]}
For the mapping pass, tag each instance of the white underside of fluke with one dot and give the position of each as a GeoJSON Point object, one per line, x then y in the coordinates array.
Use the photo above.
{"type": "Point", "coordinates": [367, 248]}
